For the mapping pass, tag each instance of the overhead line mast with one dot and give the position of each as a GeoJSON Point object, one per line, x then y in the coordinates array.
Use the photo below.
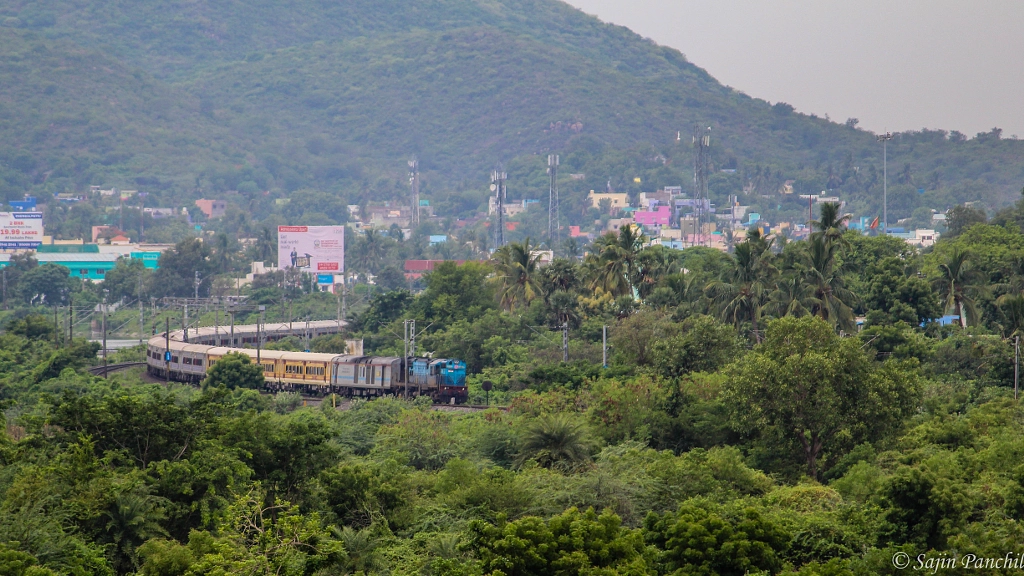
{"type": "Point", "coordinates": [414, 181]}
{"type": "Point", "coordinates": [701, 148]}
{"type": "Point", "coordinates": [553, 215]}
{"type": "Point", "coordinates": [498, 178]}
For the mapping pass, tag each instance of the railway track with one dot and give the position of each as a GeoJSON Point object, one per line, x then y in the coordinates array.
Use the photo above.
{"type": "Point", "coordinates": [105, 370]}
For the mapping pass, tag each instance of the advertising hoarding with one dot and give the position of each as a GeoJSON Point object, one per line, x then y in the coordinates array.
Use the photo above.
{"type": "Point", "coordinates": [21, 230]}
{"type": "Point", "coordinates": [313, 249]}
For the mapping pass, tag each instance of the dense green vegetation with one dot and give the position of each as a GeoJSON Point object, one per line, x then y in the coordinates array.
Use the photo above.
{"type": "Point", "coordinates": [187, 99]}
{"type": "Point", "coordinates": [744, 425]}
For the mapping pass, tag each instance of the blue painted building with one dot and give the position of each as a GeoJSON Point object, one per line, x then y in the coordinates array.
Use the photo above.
{"type": "Point", "coordinates": [87, 265]}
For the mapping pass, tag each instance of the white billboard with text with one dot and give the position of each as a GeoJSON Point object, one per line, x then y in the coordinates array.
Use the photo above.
{"type": "Point", "coordinates": [21, 230]}
{"type": "Point", "coordinates": [313, 249]}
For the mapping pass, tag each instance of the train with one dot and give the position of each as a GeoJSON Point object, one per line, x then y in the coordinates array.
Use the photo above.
{"type": "Point", "coordinates": [185, 357]}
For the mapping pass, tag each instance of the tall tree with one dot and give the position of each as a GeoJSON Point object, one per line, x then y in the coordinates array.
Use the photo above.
{"type": "Point", "coordinates": [1012, 307]}
{"type": "Point", "coordinates": [613, 261]}
{"type": "Point", "coordinates": [823, 272]}
{"type": "Point", "coordinates": [742, 293]}
{"type": "Point", "coordinates": [791, 297]}
{"type": "Point", "coordinates": [46, 284]}
{"type": "Point", "coordinates": [830, 225]}
{"type": "Point", "coordinates": [518, 274]}
{"type": "Point", "coordinates": [371, 251]}
{"type": "Point", "coordinates": [807, 386]}
{"type": "Point", "coordinates": [177, 267]}
{"type": "Point", "coordinates": [959, 285]}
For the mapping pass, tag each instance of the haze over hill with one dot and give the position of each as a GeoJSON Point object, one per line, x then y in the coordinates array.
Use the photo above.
{"type": "Point", "coordinates": [191, 98]}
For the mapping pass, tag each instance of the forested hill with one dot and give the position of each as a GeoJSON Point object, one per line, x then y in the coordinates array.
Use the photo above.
{"type": "Point", "coordinates": [208, 96]}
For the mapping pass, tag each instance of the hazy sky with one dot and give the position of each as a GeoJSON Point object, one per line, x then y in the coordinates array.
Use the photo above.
{"type": "Point", "coordinates": [893, 64]}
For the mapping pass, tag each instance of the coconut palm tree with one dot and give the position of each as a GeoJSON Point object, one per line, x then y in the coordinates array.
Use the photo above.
{"type": "Point", "coordinates": [959, 286]}
{"type": "Point", "coordinates": [371, 251]}
{"type": "Point", "coordinates": [265, 245]}
{"type": "Point", "coordinates": [652, 265]}
{"type": "Point", "coordinates": [823, 273]}
{"type": "Point", "coordinates": [791, 297]}
{"type": "Point", "coordinates": [517, 274]}
{"type": "Point", "coordinates": [742, 294]}
{"type": "Point", "coordinates": [830, 224]}
{"type": "Point", "coordinates": [571, 249]}
{"type": "Point", "coordinates": [613, 261]}
{"type": "Point", "coordinates": [1012, 307]}
{"type": "Point", "coordinates": [555, 441]}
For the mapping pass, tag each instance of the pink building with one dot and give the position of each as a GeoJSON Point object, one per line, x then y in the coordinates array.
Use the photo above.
{"type": "Point", "coordinates": [659, 217]}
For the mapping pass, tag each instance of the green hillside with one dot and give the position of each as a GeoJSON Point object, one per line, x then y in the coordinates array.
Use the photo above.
{"type": "Point", "coordinates": [267, 96]}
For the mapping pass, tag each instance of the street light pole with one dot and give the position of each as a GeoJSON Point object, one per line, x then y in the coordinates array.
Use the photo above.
{"type": "Point", "coordinates": [884, 139]}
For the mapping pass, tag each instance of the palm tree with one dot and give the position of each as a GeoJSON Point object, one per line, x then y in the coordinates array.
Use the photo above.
{"type": "Point", "coordinates": [265, 245]}
{"type": "Point", "coordinates": [555, 441]}
{"type": "Point", "coordinates": [362, 556]}
{"type": "Point", "coordinates": [744, 291]}
{"type": "Point", "coordinates": [830, 224]}
{"type": "Point", "coordinates": [566, 308]}
{"type": "Point", "coordinates": [371, 251]}
{"type": "Point", "coordinates": [824, 274]}
{"type": "Point", "coordinates": [561, 275]}
{"type": "Point", "coordinates": [517, 273]}
{"type": "Point", "coordinates": [791, 297]}
{"type": "Point", "coordinates": [132, 519]}
{"type": "Point", "coordinates": [222, 252]}
{"type": "Point", "coordinates": [652, 264]}
{"type": "Point", "coordinates": [688, 289]}
{"type": "Point", "coordinates": [1012, 306]}
{"type": "Point", "coordinates": [571, 248]}
{"type": "Point", "coordinates": [959, 286]}
{"type": "Point", "coordinates": [613, 261]}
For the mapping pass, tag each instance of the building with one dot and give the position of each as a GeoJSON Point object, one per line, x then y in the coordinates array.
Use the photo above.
{"type": "Point", "coordinates": [511, 208]}
{"type": "Point", "coordinates": [158, 213]}
{"type": "Point", "coordinates": [920, 238]}
{"type": "Point", "coordinates": [212, 208]}
{"type": "Point", "coordinates": [387, 215]}
{"type": "Point", "coordinates": [415, 269]}
{"type": "Point", "coordinates": [89, 266]}
{"type": "Point", "coordinates": [657, 218]}
{"type": "Point", "coordinates": [618, 200]}
{"type": "Point", "coordinates": [616, 223]}
{"type": "Point", "coordinates": [651, 200]}
{"type": "Point", "coordinates": [688, 226]}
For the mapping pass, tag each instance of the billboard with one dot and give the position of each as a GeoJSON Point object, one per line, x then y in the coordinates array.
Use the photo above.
{"type": "Point", "coordinates": [21, 229]}
{"type": "Point", "coordinates": [313, 249]}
